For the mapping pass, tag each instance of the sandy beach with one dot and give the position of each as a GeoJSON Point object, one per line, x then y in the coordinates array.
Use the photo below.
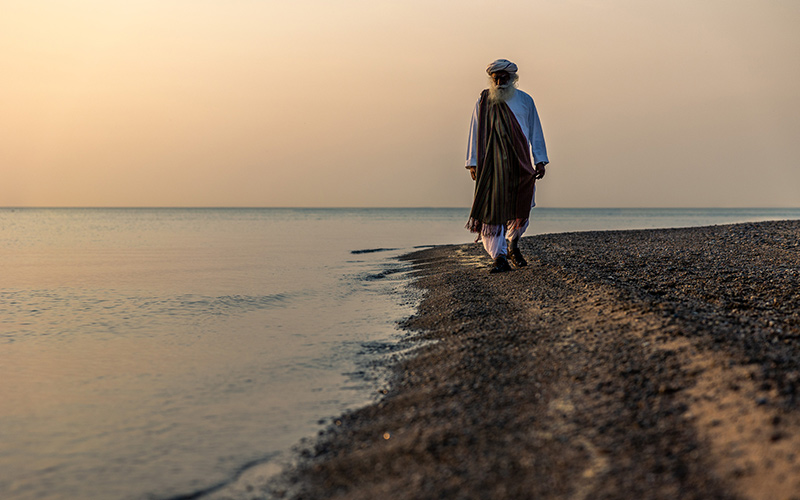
{"type": "Point", "coordinates": [653, 364]}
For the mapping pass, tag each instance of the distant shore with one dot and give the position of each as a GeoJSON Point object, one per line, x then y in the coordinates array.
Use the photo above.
{"type": "Point", "coordinates": [621, 364]}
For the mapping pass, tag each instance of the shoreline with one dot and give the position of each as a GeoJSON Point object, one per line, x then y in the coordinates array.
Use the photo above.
{"type": "Point", "coordinates": [657, 363]}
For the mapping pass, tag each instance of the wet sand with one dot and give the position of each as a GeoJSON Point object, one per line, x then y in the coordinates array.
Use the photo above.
{"type": "Point", "coordinates": [654, 364]}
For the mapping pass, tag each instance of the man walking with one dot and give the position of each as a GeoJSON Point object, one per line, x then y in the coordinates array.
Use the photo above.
{"type": "Point", "coordinates": [505, 131]}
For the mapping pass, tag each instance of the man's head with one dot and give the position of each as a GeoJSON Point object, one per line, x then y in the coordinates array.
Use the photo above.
{"type": "Point", "coordinates": [503, 80]}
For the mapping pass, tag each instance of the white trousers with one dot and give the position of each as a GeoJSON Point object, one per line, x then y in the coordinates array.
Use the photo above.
{"type": "Point", "coordinates": [497, 245]}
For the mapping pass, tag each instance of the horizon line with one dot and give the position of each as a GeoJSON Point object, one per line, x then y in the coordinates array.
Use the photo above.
{"type": "Point", "coordinates": [221, 207]}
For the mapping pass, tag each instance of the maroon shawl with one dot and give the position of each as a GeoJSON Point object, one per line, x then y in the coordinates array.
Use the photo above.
{"type": "Point", "coordinates": [505, 175]}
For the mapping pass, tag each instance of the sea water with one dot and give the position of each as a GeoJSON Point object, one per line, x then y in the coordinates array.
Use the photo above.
{"type": "Point", "coordinates": [157, 353]}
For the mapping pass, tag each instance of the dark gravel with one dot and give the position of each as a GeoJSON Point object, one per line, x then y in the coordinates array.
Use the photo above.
{"type": "Point", "coordinates": [612, 367]}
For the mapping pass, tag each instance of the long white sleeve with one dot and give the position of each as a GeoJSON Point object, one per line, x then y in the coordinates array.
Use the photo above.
{"type": "Point", "coordinates": [472, 143]}
{"type": "Point", "coordinates": [524, 110]}
{"type": "Point", "coordinates": [536, 138]}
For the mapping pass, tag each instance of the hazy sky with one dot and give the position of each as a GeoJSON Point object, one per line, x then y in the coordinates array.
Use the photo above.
{"type": "Point", "coordinates": [367, 102]}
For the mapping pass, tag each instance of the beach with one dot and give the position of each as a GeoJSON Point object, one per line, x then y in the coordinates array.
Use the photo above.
{"type": "Point", "coordinates": [170, 353]}
{"type": "Point", "coordinates": [618, 364]}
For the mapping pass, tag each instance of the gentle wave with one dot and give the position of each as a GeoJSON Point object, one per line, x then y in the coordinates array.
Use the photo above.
{"type": "Point", "coordinates": [64, 312]}
{"type": "Point", "coordinates": [372, 250]}
{"type": "Point", "coordinates": [383, 274]}
{"type": "Point", "coordinates": [230, 304]}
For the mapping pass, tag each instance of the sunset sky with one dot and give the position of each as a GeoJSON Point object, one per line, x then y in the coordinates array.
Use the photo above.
{"type": "Point", "coordinates": [644, 103]}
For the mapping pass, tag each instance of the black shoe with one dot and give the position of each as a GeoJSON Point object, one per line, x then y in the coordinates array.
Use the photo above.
{"type": "Point", "coordinates": [500, 265]}
{"type": "Point", "coordinates": [516, 258]}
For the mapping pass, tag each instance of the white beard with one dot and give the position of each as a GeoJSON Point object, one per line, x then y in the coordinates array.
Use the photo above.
{"type": "Point", "coordinates": [502, 94]}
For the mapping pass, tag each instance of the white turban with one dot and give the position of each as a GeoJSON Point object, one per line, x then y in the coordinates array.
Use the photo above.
{"type": "Point", "coordinates": [502, 65]}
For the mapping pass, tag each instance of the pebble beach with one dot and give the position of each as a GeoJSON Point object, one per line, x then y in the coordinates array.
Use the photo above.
{"type": "Point", "coordinates": [648, 364]}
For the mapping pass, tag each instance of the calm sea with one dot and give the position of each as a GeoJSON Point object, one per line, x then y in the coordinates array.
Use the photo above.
{"type": "Point", "coordinates": [156, 353]}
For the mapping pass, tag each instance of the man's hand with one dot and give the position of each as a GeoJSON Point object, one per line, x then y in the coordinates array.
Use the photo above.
{"type": "Point", "coordinates": [473, 171]}
{"type": "Point", "coordinates": [539, 170]}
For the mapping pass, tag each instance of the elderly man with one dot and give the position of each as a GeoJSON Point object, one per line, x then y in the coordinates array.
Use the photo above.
{"type": "Point", "coordinates": [504, 132]}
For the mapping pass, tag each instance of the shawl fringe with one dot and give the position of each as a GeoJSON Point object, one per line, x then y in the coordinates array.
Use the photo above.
{"type": "Point", "coordinates": [476, 226]}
